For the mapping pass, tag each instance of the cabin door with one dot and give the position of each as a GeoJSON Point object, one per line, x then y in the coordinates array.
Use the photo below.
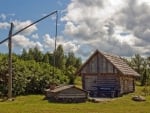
{"type": "Point", "coordinates": [90, 82]}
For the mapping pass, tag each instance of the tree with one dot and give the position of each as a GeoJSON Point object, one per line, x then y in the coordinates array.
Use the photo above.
{"type": "Point", "coordinates": [71, 60]}
{"type": "Point", "coordinates": [24, 54]}
{"type": "Point", "coordinates": [78, 63]}
{"type": "Point", "coordinates": [29, 77]}
{"type": "Point", "coordinates": [70, 72]}
{"type": "Point", "coordinates": [144, 77]}
{"type": "Point", "coordinates": [137, 63]}
{"type": "Point", "coordinates": [30, 54]}
{"type": "Point", "coordinates": [145, 73]}
{"type": "Point", "coordinates": [46, 58]}
{"type": "Point", "coordinates": [59, 57]}
{"type": "Point", "coordinates": [3, 73]}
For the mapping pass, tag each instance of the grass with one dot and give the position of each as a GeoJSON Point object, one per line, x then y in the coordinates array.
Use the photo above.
{"type": "Point", "coordinates": [36, 104]}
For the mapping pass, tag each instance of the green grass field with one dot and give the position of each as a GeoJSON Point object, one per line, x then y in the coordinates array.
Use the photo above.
{"type": "Point", "coordinates": [36, 104]}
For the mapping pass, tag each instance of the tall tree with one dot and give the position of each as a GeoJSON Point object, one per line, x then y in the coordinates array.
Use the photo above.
{"type": "Point", "coordinates": [137, 63]}
{"type": "Point", "coordinates": [59, 57]}
{"type": "Point", "coordinates": [71, 60]}
{"type": "Point", "coordinates": [78, 63]}
{"type": "Point", "coordinates": [24, 55]}
{"type": "Point", "coordinates": [70, 72]}
{"type": "Point", "coordinates": [37, 54]}
{"type": "Point", "coordinates": [46, 58]}
{"type": "Point", "coordinates": [30, 54]}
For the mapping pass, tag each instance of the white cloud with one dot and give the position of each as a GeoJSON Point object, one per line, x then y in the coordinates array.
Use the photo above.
{"type": "Point", "coordinates": [24, 42]}
{"type": "Point", "coordinates": [4, 25]}
{"type": "Point", "coordinates": [35, 36]}
{"type": "Point", "coordinates": [18, 25]}
{"type": "Point", "coordinates": [49, 42]}
{"type": "Point", "coordinates": [119, 26]}
{"type": "Point", "coordinates": [68, 46]}
{"type": "Point", "coordinates": [39, 46]}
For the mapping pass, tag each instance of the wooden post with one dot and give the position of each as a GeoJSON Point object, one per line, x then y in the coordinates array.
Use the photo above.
{"type": "Point", "coordinates": [54, 54]}
{"type": "Point", "coordinates": [10, 63]}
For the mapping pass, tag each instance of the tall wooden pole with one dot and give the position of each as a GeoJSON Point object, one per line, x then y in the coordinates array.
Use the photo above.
{"type": "Point", "coordinates": [54, 54]}
{"type": "Point", "coordinates": [10, 63]}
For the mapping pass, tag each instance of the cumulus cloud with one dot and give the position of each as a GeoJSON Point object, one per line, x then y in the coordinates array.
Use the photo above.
{"type": "Point", "coordinates": [35, 36]}
{"type": "Point", "coordinates": [68, 46]}
{"type": "Point", "coordinates": [4, 25]}
{"type": "Point", "coordinates": [136, 18]}
{"type": "Point", "coordinates": [49, 42]}
{"type": "Point", "coordinates": [94, 25]}
{"type": "Point", "coordinates": [19, 25]}
{"type": "Point", "coordinates": [24, 42]}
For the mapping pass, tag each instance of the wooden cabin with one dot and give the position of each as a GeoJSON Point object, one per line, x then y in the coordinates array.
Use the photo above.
{"type": "Point", "coordinates": [107, 75]}
{"type": "Point", "coordinates": [67, 93]}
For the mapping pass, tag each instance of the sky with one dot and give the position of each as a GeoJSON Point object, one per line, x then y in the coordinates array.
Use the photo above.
{"type": "Point", "coordinates": [120, 27]}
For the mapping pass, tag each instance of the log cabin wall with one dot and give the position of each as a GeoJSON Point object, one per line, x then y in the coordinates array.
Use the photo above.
{"type": "Point", "coordinates": [126, 84]}
{"type": "Point", "coordinates": [99, 73]}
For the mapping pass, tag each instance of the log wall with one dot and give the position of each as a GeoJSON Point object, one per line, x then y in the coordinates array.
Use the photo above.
{"type": "Point", "coordinates": [91, 81]}
{"type": "Point", "coordinates": [126, 84]}
{"type": "Point", "coordinates": [72, 93]}
{"type": "Point", "coordinates": [99, 64]}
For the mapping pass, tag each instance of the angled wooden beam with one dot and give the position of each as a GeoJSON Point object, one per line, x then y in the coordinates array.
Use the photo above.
{"type": "Point", "coordinates": [29, 26]}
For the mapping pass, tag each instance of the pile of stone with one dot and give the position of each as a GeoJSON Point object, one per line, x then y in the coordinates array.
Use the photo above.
{"type": "Point", "coordinates": [138, 98]}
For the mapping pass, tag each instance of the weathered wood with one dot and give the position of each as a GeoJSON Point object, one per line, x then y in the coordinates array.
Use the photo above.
{"type": "Point", "coordinates": [10, 63]}
{"type": "Point", "coordinates": [105, 73]}
{"type": "Point", "coordinates": [68, 93]}
{"type": "Point", "coordinates": [127, 84]}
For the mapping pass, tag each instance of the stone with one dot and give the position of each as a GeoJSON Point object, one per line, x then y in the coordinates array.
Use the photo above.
{"type": "Point", "coordinates": [138, 98]}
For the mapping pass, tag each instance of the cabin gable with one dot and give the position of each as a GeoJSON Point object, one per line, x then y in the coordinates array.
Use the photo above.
{"type": "Point", "coordinates": [99, 64]}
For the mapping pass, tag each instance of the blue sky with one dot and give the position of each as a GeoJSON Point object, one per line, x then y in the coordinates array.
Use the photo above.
{"type": "Point", "coordinates": [32, 10]}
{"type": "Point", "coordinates": [120, 27]}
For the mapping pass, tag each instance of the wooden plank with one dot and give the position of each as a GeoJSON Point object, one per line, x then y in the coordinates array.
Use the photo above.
{"type": "Point", "coordinates": [90, 81]}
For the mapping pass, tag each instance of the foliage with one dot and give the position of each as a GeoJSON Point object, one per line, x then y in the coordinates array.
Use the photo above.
{"type": "Point", "coordinates": [141, 65]}
{"type": "Point", "coordinates": [30, 77]}
{"type": "Point", "coordinates": [137, 63]}
{"type": "Point", "coordinates": [59, 57]}
{"type": "Point", "coordinates": [146, 90]}
{"type": "Point", "coordinates": [70, 72]}
{"type": "Point", "coordinates": [33, 70]}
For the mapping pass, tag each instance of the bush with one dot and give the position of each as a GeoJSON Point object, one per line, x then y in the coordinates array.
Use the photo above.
{"type": "Point", "coordinates": [30, 77]}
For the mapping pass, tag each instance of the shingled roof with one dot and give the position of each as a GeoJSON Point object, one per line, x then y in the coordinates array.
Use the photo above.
{"type": "Point", "coordinates": [116, 61]}
{"type": "Point", "coordinates": [63, 87]}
